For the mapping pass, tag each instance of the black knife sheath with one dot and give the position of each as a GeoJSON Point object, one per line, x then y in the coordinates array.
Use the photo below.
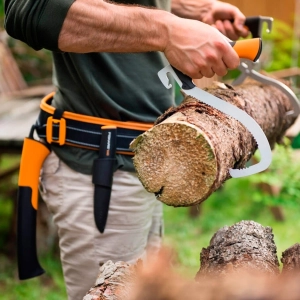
{"type": "Point", "coordinates": [103, 169]}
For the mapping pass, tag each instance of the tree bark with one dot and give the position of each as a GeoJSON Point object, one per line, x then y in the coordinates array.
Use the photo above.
{"type": "Point", "coordinates": [291, 259]}
{"type": "Point", "coordinates": [246, 246]}
{"type": "Point", "coordinates": [113, 282]}
{"type": "Point", "coordinates": [187, 155]}
{"type": "Point", "coordinates": [240, 263]}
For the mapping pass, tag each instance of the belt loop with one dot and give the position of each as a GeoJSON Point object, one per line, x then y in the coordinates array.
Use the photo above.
{"type": "Point", "coordinates": [60, 122]}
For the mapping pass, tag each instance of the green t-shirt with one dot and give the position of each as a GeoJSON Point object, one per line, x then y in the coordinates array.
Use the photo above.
{"type": "Point", "coordinates": [117, 86]}
{"type": "Point", "coordinates": [121, 87]}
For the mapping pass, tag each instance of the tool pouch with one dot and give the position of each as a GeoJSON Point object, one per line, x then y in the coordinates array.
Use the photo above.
{"type": "Point", "coordinates": [103, 170]}
{"type": "Point", "coordinates": [33, 156]}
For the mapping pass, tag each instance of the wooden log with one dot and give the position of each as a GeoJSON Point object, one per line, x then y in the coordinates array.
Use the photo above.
{"type": "Point", "coordinates": [291, 259]}
{"type": "Point", "coordinates": [160, 283]}
{"type": "Point", "coordinates": [240, 263]}
{"type": "Point", "coordinates": [246, 246]}
{"type": "Point", "coordinates": [114, 281]}
{"type": "Point", "coordinates": [187, 155]}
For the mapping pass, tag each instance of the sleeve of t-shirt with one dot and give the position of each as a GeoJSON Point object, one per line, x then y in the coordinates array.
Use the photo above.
{"type": "Point", "coordinates": [36, 22]}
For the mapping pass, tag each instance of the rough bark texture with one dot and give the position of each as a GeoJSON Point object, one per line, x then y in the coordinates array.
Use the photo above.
{"type": "Point", "coordinates": [240, 263]}
{"type": "Point", "coordinates": [246, 245]}
{"type": "Point", "coordinates": [188, 153]}
{"type": "Point", "coordinates": [113, 282]}
{"type": "Point", "coordinates": [243, 287]}
{"type": "Point", "coordinates": [291, 259]}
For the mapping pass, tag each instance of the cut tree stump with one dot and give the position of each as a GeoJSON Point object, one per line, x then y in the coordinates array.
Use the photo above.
{"type": "Point", "coordinates": [187, 154]}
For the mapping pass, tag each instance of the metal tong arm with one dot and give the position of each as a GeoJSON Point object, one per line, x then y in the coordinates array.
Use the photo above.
{"type": "Point", "coordinates": [247, 66]}
{"type": "Point", "coordinates": [189, 88]}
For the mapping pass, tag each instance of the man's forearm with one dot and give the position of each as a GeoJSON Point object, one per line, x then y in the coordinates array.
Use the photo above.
{"type": "Point", "coordinates": [191, 9]}
{"type": "Point", "coordinates": [99, 26]}
{"type": "Point", "coordinates": [83, 26]}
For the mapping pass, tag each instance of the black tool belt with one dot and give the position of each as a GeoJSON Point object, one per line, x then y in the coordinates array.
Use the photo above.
{"type": "Point", "coordinates": [108, 137]}
{"type": "Point", "coordinates": [65, 128]}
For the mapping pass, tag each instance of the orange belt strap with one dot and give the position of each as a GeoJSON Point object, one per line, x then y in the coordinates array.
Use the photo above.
{"type": "Point", "coordinates": [67, 128]}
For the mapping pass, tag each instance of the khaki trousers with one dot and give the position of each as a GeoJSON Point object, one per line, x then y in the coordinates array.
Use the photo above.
{"type": "Point", "coordinates": [134, 225]}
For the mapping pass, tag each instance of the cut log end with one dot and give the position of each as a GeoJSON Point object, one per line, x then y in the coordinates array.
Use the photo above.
{"type": "Point", "coordinates": [189, 163]}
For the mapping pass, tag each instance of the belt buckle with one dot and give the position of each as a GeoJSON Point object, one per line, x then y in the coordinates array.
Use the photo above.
{"type": "Point", "coordinates": [62, 130]}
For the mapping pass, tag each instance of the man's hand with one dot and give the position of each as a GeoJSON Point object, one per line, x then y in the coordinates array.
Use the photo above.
{"type": "Point", "coordinates": [227, 18]}
{"type": "Point", "coordinates": [198, 49]}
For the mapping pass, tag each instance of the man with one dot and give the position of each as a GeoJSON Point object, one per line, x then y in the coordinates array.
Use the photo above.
{"type": "Point", "coordinates": [106, 57]}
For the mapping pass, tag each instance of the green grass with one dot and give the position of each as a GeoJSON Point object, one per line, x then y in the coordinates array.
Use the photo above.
{"type": "Point", "coordinates": [49, 286]}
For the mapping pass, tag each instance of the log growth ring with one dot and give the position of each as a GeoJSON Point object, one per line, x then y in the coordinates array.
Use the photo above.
{"type": "Point", "coordinates": [173, 164]}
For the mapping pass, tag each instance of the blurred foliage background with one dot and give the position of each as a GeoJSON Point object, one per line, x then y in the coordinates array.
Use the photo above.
{"type": "Point", "coordinates": [36, 66]}
{"type": "Point", "coordinates": [271, 198]}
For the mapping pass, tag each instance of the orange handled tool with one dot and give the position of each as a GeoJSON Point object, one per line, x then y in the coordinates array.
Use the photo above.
{"type": "Point", "coordinates": [33, 156]}
{"type": "Point", "coordinates": [249, 49]}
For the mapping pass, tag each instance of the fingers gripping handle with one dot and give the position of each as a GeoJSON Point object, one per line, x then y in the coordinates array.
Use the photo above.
{"type": "Point", "coordinates": [255, 25]}
{"type": "Point", "coordinates": [248, 49]}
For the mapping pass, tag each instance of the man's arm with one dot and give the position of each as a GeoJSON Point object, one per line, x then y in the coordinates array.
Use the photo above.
{"type": "Point", "coordinates": [36, 22]}
{"type": "Point", "coordinates": [193, 47]}
{"type": "Point", "coordinates": [100, 26]}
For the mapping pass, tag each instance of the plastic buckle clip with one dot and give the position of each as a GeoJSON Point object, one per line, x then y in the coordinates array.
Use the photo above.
{"type": "Point", "coordinates": [61, 133]}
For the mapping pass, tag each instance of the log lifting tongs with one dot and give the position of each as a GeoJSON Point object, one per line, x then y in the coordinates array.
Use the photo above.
{"type": "Point", "coordinates": [243, 48]}
{"type": "Point", "coordinates": [255, 26]}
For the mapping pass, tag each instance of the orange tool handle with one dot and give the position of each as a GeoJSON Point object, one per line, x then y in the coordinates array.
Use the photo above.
{"type": "Point", "coordinates": [249, 48]}
{"type": "Point", "coordinates": [33, 156]}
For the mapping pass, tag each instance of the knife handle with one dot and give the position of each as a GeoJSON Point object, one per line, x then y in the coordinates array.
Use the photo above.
{"type": "Point", "coordinates": [108, 142]}
{"type": "Point", "coordinates": [249, 48]}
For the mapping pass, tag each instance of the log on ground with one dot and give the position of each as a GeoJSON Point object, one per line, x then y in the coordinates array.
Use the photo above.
{"type": "Point", "coordinates": [187, 154]}
{"type": "Point", "coordinates": [240, 263]}
{"type": "Point", "coordinates": [291, 259]}
{"type": "Point", "coordinates": [114, 281]}
{"type": "Point", "coordinates": [246, 246]}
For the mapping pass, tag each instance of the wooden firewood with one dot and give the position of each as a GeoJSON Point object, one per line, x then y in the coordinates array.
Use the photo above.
{"type": "Point", "coordinates": [291, 259]}
{"type": "Point", "coordinates": [114, 281]}
{"type": "Point", "coordinates": [160, 283]}
{"type": "Point", "coordinates": [246, 246]}
{"type": "Point", "coordinates": [187, 155]}
{"type": "Point", "coordinates": [240, 263]}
